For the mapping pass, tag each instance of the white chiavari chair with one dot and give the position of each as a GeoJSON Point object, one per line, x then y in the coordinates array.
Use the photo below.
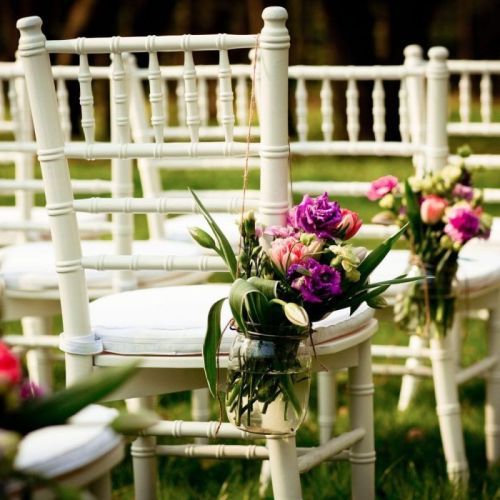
{"type": "Point", "coordinates": [162, 328]}
{"type": "Point", "coordinates": [27, 272]}
{"type": "Point", "coordinates": [423, 139]}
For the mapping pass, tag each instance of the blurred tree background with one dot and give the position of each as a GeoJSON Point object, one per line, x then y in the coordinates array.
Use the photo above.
{"type": "Point", "coordinates": [358, 32]}
{"type": "Point", "coordinates": [323, 31]}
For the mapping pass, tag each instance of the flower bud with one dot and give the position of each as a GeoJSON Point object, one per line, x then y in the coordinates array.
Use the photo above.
{"type": "Point", "coordinates": [9, 442]}
{"type": "Point", "coordinates": [202, 238]}
{"type": "Point", "coordinates": [432, 209]}
{"type": "Point", "coordinates": [464, 151]}
{"type": "Point", "coordinates": [296, 314]}
{"type": "Point", "coordinates": [387, 202]}
{"type": "Point", "coordinates": [350, 223]}
{"type": "Point", "coordinates": [451, 173]}
{"type": "Point", "coordinates": [445, 242]}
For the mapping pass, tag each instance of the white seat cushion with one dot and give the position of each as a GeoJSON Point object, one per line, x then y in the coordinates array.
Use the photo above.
{"type": "Point", "coordinates": [495, 230]}
{"type": "Point", "coordinates": [32, 266]}
{"type": "Point", "coordinates": [61, 449]}
{"type": "Point", "coordinates": [172, 320]}
{"type": "Point", "coordinates": [176, 228]}
{"type": "Point", "coordinates": [479, 267]}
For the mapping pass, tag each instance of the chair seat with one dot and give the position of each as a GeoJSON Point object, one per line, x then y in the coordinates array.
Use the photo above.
{"type": "Point", "coordinates": [172, 320]}
{"type": "Point", "coordinates": [58, 450]}
{"type": "Point", "coordinates": [495, 231]}
{"type": "Point", "coordinates": [31, 266]}
{"type": "Point", "coordinates": [176, 228]}
{"type": "Point", "coordinates": [479, 268]}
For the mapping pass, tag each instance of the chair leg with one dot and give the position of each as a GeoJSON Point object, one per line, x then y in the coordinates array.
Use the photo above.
{"type": "Point", "coordinates": [101, 488]}
{"type": "Point", "coordinates": [284, 467]}
{"type": "Point", "coordinates": [200, 409]}
{"type": "Point", "coordinates": [38, 360]}
{"type": "Point", "coordinates": [327, 404]}
{"type": "Point", "coordinates": [143, 453]}
{"type": "Point", "coordinates": [409, 383]}
{"type": "Point", "coordinates": [362, 456]}
{"type": "Point", "coordinates": [492, 410]}
{"type": "Point", "coordinates": [448, 410]}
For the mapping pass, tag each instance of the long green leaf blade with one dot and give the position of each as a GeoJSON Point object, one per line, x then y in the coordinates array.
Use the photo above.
{"type": "Point", "coordinates": [211, 345]}
{"type": "Point", "coordinates": [240, 290]}
{"type": "Point", "coordinates": [55, 409]}
{"type": "Point", "coordinates": [413, 213]}
{"type": "Point", "coordinates": [225, 246]}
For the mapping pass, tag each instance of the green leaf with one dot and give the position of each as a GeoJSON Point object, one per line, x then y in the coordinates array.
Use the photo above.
{"type": "Point", "coordinates": [132, 423]}
{"type": "Point", "coordinates": [225, 247]}
{"type": "Point", "coordinates": [375, 257]}
{"type": "Point", "coordinates": [268, 287]}
{"type": "Point", "coordinates": [413, 213]}
{"type": "Point", "coordinates": [55, 409]}
{"type": "Point", "coordinates": [240, 291]}
{"type": "Point", "coordinates": [211, 345]}
{"type": "Point", "coordinates": [395, 281]}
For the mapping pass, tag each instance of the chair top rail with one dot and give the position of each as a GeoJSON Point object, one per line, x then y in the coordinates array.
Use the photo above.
{"type": "Point", "coordinates": [183, 43]}
{"type": "Point", "coordinates": [162, 205]}
{"type": "Point", "coordinates": [104, 151]}
{"type": "Point", "coordinates": [354, 72]}
{"type": "Point", "coordinates": [474, 128]}
{"type": "Point", "coordinates": [480, 160]}
{"type": "Point", "coordinates": [468, 66]}
{"type": "Point", "coordinates": [368, 148]}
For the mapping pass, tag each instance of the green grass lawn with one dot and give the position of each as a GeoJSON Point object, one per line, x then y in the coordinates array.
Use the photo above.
{"type": "Point", "coordinates": [410, 463]}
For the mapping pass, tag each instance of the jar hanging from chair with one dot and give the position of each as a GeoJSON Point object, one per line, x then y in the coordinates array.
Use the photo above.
{"type": "Point", "coordinates": [426, 307]}
{"type": "Point", "coordinates": [268, 381]}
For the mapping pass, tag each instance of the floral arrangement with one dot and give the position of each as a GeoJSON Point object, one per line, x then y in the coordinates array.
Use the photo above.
{"type": "Point", "coordinates": [286, 278]}
{"type": "Point", "coordinates": [442, 212]}
{"type": "Point", "coordinates": [24, 408]}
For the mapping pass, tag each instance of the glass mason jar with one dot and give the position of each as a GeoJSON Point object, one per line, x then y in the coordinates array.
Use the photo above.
{"type": "Point", "coordinates": [427, 307]}
{"type": "Point", "coordinates": [268, 381]}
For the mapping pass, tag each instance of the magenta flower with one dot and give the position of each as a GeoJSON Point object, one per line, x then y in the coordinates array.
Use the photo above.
{"type": "Point", "coordinates": [463, 192]}
{"type": "Point", "coordinates": [318, 216]}
{"type": "Point", "coordinates": [463, 223]}
{"type": "Point", "coordinates": [30, 390]}
{"type": "Point", "coordinates": [315, 282]}
{"type": "Point", "coordinates": [382, 186]}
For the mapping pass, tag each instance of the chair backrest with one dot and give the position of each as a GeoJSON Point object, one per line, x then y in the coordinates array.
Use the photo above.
{"type": "Point", "coordinates": [147, 122]}
{"type": "Point", "coordinates": [473, 117]}
{"type": "Point", "coordinates": [17, 147]}
{"type": "Point", "coordinates": [53, 153]}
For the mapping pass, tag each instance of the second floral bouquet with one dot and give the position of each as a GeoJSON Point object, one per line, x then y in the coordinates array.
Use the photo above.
{"type": "Point", "coordinates": [442, 211]}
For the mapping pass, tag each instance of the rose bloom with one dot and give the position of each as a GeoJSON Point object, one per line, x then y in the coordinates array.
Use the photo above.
{"type": "Point", "coordinates": [10, 366]}
{"type": "Point", "coordinates": [321, 283]}
{"type": "Point", "coordinates": [350, 224]}
{"type": "Point", "coordinates": [382, 186]}
{"type": "Point", "coordinates": [463, 223]}
{"type": "Point", "coordinates": [432, 209]}
{"type": "Point", "coordinates": [287, 251]}
{"type": "Point", "coordinates": [318, 216]}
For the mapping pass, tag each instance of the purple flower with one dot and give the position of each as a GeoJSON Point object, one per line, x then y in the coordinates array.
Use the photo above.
{"type": "Point", "coordinates": [316, 215]}
{"type": "Point", "coordinates": [316, 282]}
{"type": "Point", "coordinates": [382, 186]}
{"type": "Point", "coordinates": [463, 223]}
{"type": "Point", "coordinates": [30, 390]}
{"type": "Point", "coordinates": [463, 192]}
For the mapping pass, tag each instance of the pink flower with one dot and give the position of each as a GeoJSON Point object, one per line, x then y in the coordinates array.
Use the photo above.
{"type": "Point", "coordinates": [432, 209]}
{"type": "Point", "coordinates": [380, 187]}
{"type": "Point", "coordinates": [10, 367]}
{"type": "Point", "coordinates": [287, 251]}
{"type": "Point", "coordinates": [349, 225]}
{"type": "Point", "coordinates": [463, 223]}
